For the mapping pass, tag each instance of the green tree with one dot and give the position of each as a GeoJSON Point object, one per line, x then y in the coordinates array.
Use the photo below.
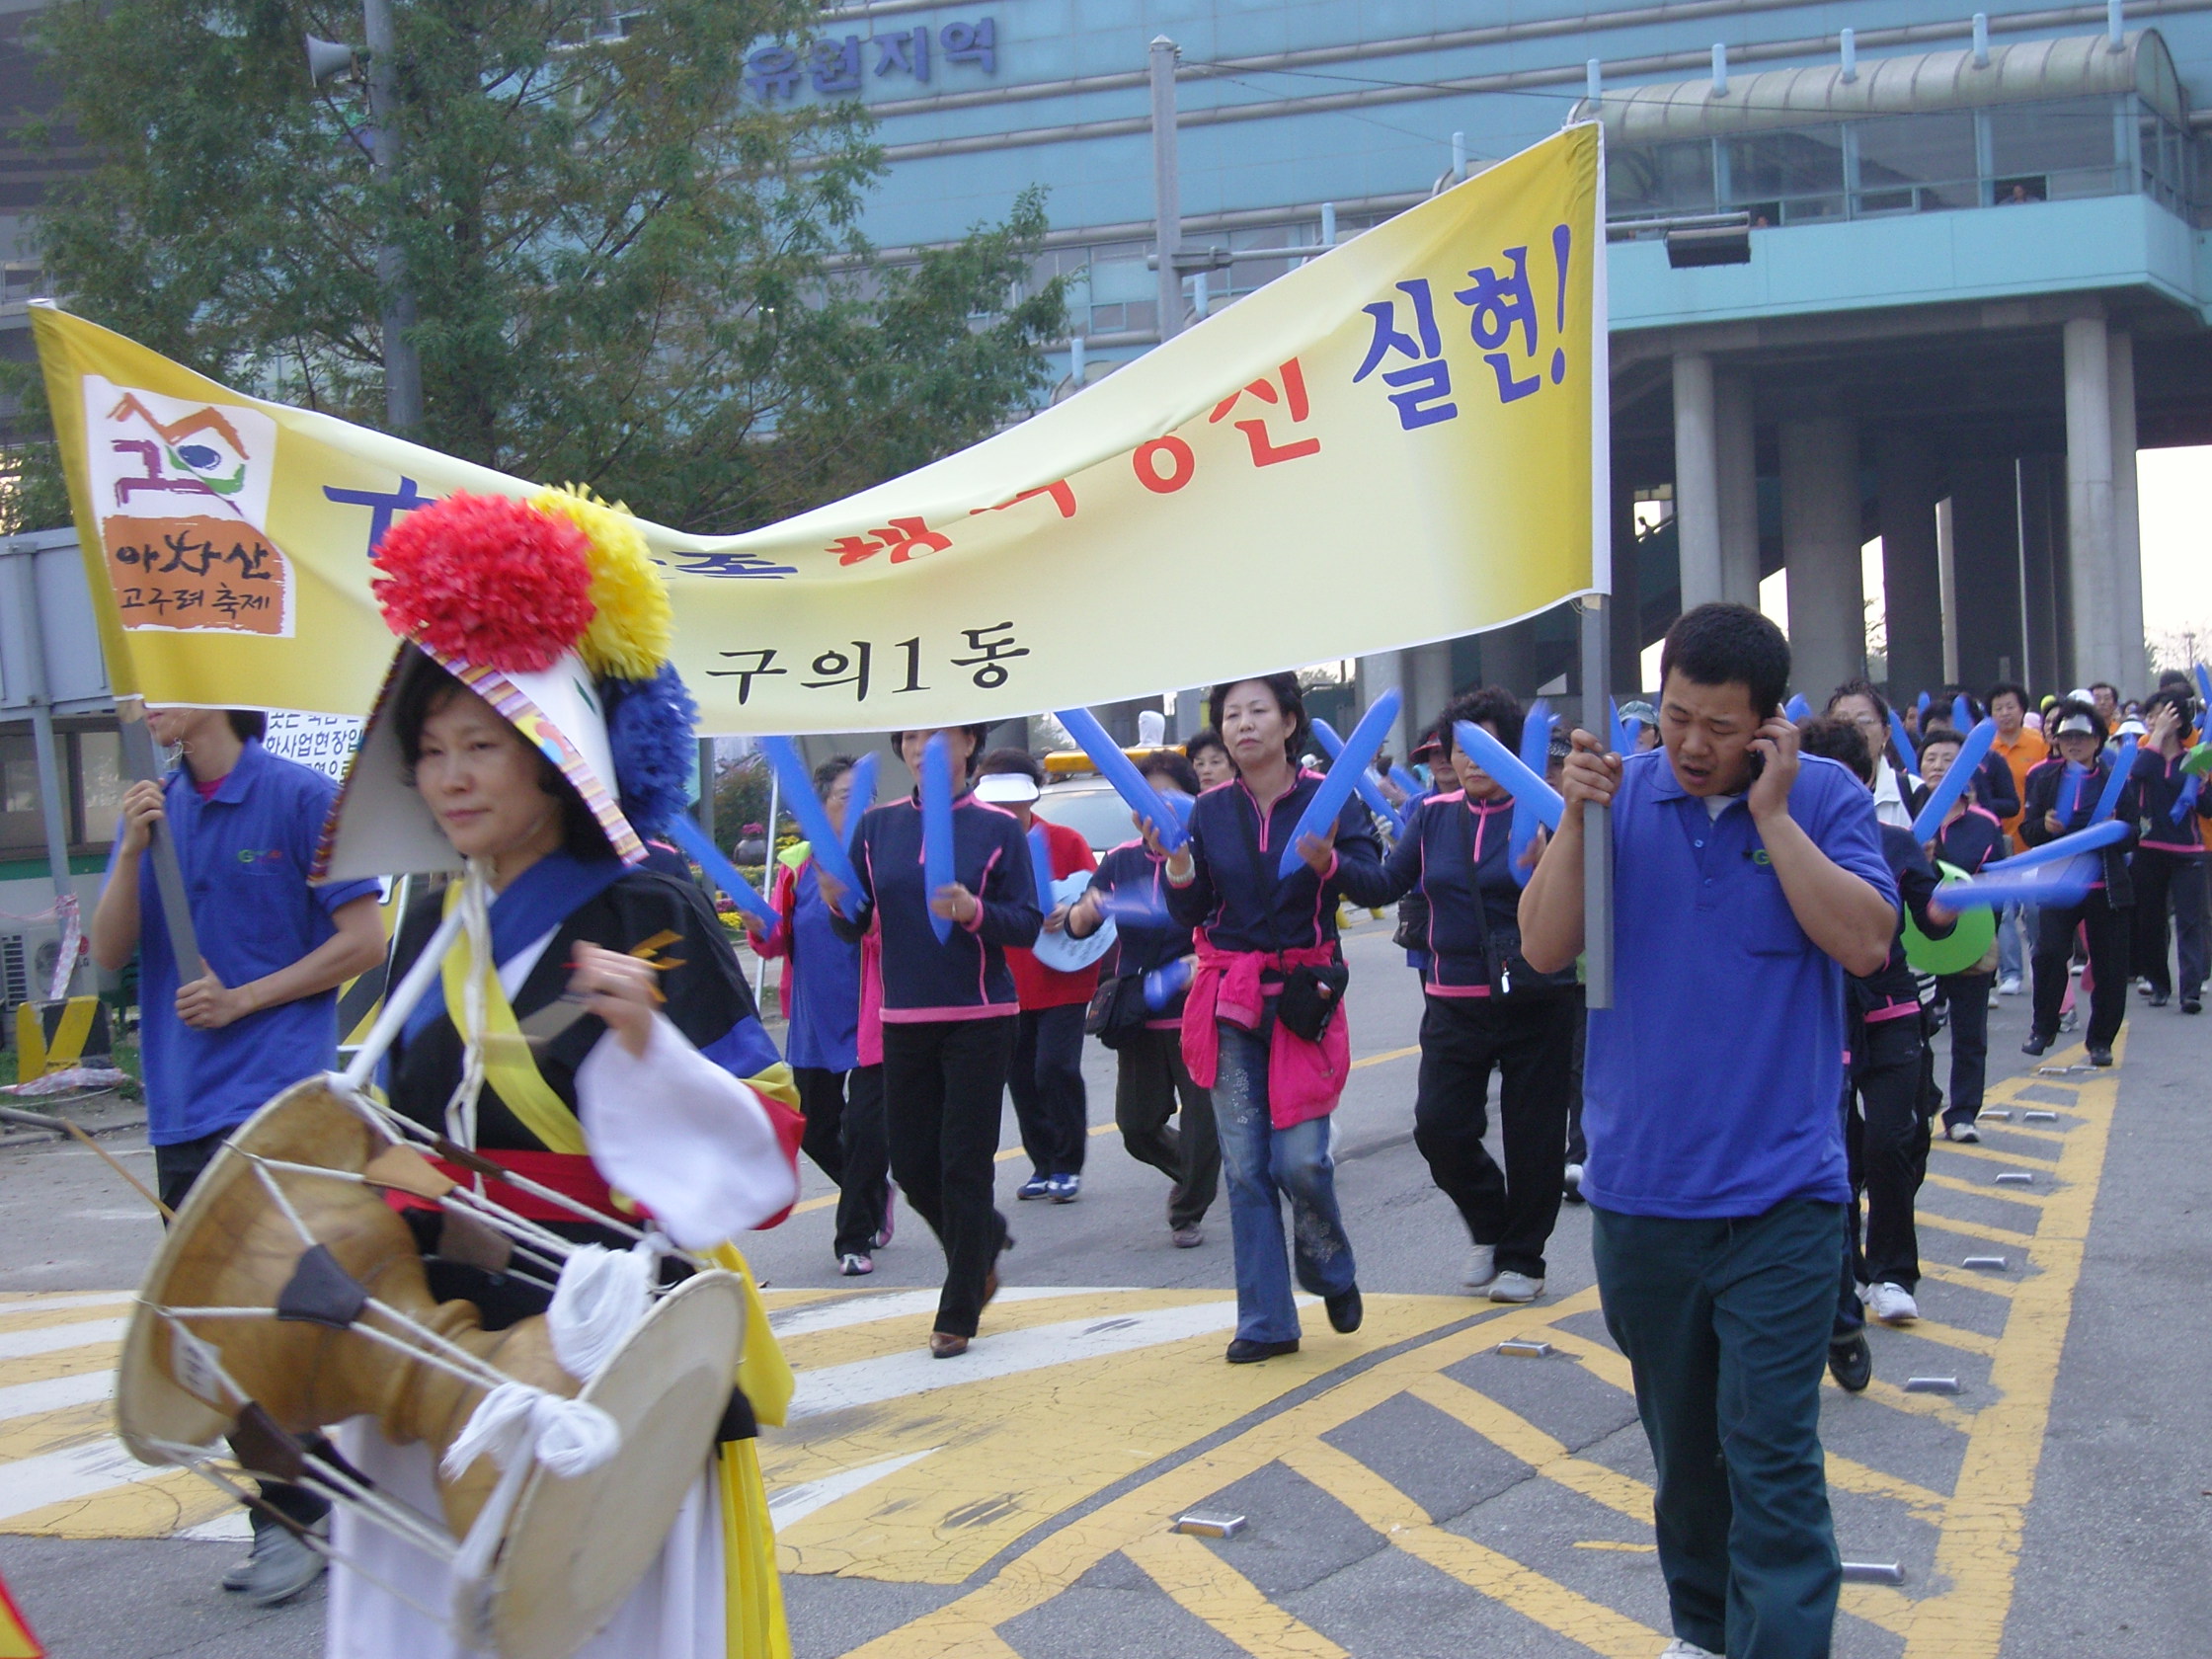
{"type": "Point", "coordinates": [629, 272]}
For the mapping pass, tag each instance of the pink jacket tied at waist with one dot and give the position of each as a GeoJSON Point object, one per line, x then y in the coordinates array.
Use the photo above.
{"type": "Point", "coordinates": [1304, 1079]}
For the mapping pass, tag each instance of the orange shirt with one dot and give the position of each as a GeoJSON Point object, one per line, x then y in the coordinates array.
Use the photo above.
{"type": "Point", "coordinates": [2023, 755]}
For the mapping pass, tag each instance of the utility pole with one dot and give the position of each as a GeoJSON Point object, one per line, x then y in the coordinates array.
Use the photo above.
{"type": "Point", "coordinates": [403, 366]}
{"type": "Point", "coordinates": [1168, 187]}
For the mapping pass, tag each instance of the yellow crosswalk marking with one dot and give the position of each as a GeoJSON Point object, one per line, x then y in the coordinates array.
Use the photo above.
{"type": "Point", "coordinates": [1203, 1585]}
{"type": "Point", "coordinates": [1500, 1577]}
{"type": "Point", "coordinates": [1985, 1189]}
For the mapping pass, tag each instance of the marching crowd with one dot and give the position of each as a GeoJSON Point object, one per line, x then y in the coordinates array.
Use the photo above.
{"type": "Point", "coordinates": [1764, 864]}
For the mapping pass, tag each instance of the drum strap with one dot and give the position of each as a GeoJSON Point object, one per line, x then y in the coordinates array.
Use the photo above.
{"type": "Point", "coordinates": [508, 1064]}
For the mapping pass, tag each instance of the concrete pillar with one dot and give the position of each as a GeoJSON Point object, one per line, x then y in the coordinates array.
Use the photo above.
{"type": "Point", "coordinates": [1912, 576]}
{"type": "Point", "coordinates": [2046, 661]}
{"type": "Point", "coordinates": [2099, 649]}
{"type": "Point", "coordinates": [1736, 454]}
{"type": "Point", "coordinates": [1383, 672]}
{"type": "Point", "coordinates": [1627, 618]}
{"type": "Point", "coordinates": [2127, 527]}
{"type": "Point", "coordinates": [1696, 480]}
{"type": "Point", "coordinates": [1428, 678]}
{"type": "Point", "coordinates": [1985, 564]}
{"type": "Point", "coordinates": [1820, 540]}
{"type": "Point", "coordinates": [1946, 570]}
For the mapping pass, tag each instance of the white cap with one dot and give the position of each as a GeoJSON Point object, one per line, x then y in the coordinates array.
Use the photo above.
{"type": "Point", "coordinates": [1006, 789]}
{"type": "Point", "coordinates": [2076, 724]}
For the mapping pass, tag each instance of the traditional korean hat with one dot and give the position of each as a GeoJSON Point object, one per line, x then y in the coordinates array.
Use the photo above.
{"type": "Point", "coordinates": [552, 610]}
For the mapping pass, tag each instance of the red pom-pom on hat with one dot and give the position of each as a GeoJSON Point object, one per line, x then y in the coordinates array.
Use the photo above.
{"type": "Point", "coordinates": [488, 579]}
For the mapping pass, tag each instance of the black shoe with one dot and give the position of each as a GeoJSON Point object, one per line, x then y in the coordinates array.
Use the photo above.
{"type": "Point", "coordinates": [1244, 1351]}
{"type": "Point", "coordinates": [2192, 1006]}
{"type": "Point", "coordinates": [2160, 999]}
{"type": "Point", "coordinates": [2100, 1057]}
{"type": "Point", "coordinates": [1852, 1364]}
{"type": "Point", "coordinates": [1345, 1312]}
{"type": "Point", "coordinates": [2036, 1043]}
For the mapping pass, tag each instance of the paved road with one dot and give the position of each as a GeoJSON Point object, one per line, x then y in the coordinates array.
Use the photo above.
{"type": "Point", "coordinates": [1410, 1491]}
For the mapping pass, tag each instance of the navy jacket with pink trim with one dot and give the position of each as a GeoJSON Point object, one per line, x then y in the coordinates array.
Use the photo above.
{"type": "Point", "coordinates": [1455, 851]}
{"type": "Point", "coordinates": [1231, 895]}
{"type": "Point", "coordinates": [964, 977]}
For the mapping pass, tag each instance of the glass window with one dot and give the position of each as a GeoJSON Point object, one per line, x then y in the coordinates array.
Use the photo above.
{"type": "Point", "coordinates": [1652, 180]}
{"type": "Point", "coordinates": [21, 823]}
{"type": "Point", "coordinates": [100, 786]}
{"type": "Point", "coordinates": [1917, 163]}
{"type": "Point", "coordinates": [2061, 148]}
{"type": "Point", "coordinates": [1802, 168]}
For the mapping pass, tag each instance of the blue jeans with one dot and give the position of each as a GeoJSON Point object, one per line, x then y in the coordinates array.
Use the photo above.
{"type": "Point", "coordinates": [1263, 1164]}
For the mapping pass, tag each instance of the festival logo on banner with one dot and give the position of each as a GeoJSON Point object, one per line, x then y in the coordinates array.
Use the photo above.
{"type": "Point", "coordinates": [182, 492]}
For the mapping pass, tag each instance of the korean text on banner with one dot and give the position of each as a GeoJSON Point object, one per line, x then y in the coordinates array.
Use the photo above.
{"type": "Point", "coordinates": [1393, 442]}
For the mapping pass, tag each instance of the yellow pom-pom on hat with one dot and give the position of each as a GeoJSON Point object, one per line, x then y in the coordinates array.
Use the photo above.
{"type": "Point", "coordinates": [633, 630]}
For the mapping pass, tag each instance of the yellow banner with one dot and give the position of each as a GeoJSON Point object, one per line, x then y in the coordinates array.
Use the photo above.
{"type": "Point", "coordinates": [1399, 442]}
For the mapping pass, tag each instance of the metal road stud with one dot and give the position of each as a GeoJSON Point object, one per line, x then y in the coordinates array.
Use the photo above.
{"type": "Point", "coordinates": [1524, 1348]}
{"type": "Point", "coordinates": [1873, 1572]}
{"type": "Point", "coordinates": [1986, 1264]}
{"type": "Point", "coordinates": [2014, 1178]}
{"type": "Point", "coordinates": [2003, 1114]}
{"type": "Point", "coordinates": [2062, 1070]}
{"type": "Point", "coordinates": [1931, 1386]}
{"type": "Point", "coordinates": [1202, 1525]}
{"type": "Point", "coordinates": [2040, 1117]}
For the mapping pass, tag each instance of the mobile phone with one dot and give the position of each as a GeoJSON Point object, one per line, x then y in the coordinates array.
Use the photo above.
{"type": "Point", "coordinates": [1758, 759]}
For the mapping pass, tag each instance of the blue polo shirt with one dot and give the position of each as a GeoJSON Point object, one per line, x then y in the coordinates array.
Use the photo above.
{"type": "Point", "coordinates": [245, 856]}
{"type": "Point", "coordinates": [1712, 1083]}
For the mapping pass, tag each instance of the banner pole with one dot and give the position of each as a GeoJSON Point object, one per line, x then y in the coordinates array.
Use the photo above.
{"type": "Point", "coordinates": [143, 765]}
{"type": "Point", "coordinates": [1597, 821]}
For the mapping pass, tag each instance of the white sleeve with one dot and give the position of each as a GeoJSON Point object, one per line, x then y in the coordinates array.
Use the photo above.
{"type": "Point", "coordinates": [691, 1143]}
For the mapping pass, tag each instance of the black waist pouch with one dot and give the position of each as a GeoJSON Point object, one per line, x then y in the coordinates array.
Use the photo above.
{"type": "Point", "coordinates": [1310, 999]}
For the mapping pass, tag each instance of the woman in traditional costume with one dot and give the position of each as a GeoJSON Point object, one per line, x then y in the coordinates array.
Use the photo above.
{"type": "Point", "coordinates": [594, 1025]}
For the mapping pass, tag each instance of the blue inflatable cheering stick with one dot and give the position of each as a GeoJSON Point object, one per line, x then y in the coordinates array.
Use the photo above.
{"type": "Point", "coordinates": [1370, 790]}
{"type": "Point", "coordinates": [862, 797]}
{"type": "Point", "coordinates": [1041, 867]}
{"type": "Point", "coordinates": [1119, 771]}
{"type": "Point", "coordinates": [1535, 755]}
{"type": "Point", "coordinates": [720, 871]}
{"type": "Point", "coordinates": [1503, 764]}
{"type": "Point", "coordinates": [1798, 710]}
{"type": "Point", "coordinates": [1904, 741]}
{"type": "Point", "coordinates": [2123, 767]}
{"type": "Point", "coordinates": [826, 845]}
{"type": "Point", "coordinates": [1343, 778]}
{"type": "Point", "coordinates": [1971, 753]}
{"type": "Point", "coordinates": [936, 828]}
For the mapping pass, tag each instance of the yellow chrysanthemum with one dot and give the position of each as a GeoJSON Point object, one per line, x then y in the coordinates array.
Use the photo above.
{"type": "Point", "coordinates": [630, 635]}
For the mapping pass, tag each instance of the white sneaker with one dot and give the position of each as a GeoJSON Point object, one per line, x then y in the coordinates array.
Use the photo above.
{"type": "Point", "coordinates": [1483, 1267]}
{"type": "Point", "coordinates": [1965, 1131]}
{"type": "Point", "coordinates": [1515, 1287]}
{"type": "Point", "coordinates": [1680, 1649]}
{"type": "Point", "coordinates": [1892, 1304]}
{"type": "Point", "coordinates": [2009, 986]}
{"type": "Point", "coordinates": [1573, 1177]}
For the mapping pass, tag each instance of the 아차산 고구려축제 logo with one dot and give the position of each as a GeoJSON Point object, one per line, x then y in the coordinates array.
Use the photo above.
{"type": "Point", "coordinates": [181, 490]}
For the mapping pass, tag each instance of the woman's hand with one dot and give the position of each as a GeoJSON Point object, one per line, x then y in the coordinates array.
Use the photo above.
{"type": "Point", "coordinates": [1318, 851]}
{"type": "Point", "coordinates": [955, 902]}
{"type": "Point", "coordinates": [833, 890]}
{"type": "Point", "coordinates": [2051, 823]}
{"type": "Point", "coordinates": [1533, 854]}
{"type": "Point", "coordinates": [142, 811]}
{"type": "Point", "coordinates": [620, 990]}
{"type": "Point", "coordinates": [1083, 917]}
{"type": "Point", "coordinates": [1057, 922]}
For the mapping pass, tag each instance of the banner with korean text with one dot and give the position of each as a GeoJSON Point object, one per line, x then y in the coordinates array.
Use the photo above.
{"type": "Point", "coordinates": [1400, 441]}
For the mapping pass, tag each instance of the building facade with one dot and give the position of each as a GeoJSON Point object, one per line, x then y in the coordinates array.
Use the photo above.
{"type": "Point", "coordinates": [1968, 273]}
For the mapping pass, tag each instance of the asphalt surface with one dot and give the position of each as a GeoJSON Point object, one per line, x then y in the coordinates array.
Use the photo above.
{"type": "Point", "coordinates": [1409, 1491]}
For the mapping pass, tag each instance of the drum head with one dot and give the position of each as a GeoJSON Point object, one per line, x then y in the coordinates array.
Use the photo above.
{"type": "Point", "coordinates": [1968, 942]}
{"type": "Point", "coordinates": [576, 1549]}
{"type": "Point", "coordinates": [1058, 950]}
{"type": "Point", "coordinates": [306, 1124]}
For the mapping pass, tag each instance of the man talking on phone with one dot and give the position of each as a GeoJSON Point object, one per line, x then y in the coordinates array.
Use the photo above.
{"type": "Point", "coordinates": [1751, 881]}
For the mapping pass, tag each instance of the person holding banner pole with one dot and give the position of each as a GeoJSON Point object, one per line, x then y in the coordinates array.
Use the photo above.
{"type": "Point", "coordinates": [265, 1012]}
{"type": "Point", "coordinates": [1143, 1028]}
{"type": "Point", "coordinates": [2063, 796]}
{"type": "Point", "coordinates": [1484, 1007]}
{"type": "Point", "coordinates": [1751, 882]}
{"type": "Point", "coordinates": [1264, 1027]}
{"type": "Point", "coordinates": [948, 1012]}
{"type": "Point", "coordinates": [1046, 1076]}
{"type": "Point", "coordinates": [841, 1098]}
